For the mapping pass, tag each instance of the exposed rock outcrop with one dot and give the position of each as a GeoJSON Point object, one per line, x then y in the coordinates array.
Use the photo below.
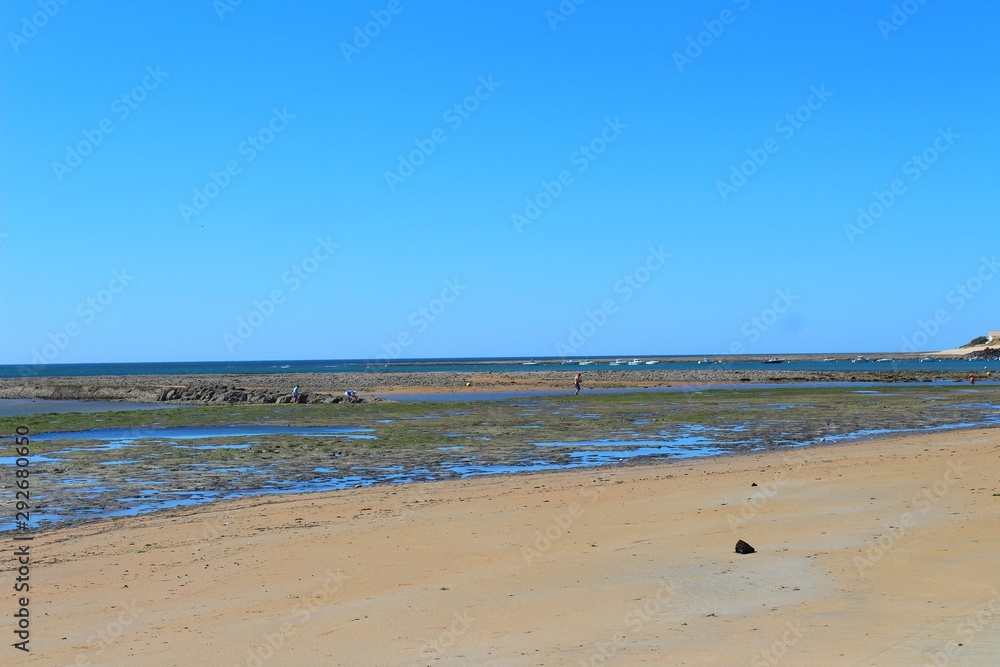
{"type": "Point", "coordinates": [59, 389]}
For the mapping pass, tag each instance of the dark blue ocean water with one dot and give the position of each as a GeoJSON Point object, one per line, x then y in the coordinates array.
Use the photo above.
{"type": "Point", "coordinates": [481, 365]}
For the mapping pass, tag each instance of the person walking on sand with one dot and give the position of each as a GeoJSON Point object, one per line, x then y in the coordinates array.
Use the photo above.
{"type": "Point", "coordinates": [576, 383]}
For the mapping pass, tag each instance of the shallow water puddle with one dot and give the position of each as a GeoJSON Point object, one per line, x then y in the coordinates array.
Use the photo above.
{"type": "Point", "coordinates": [666, 450]}
{"type": "Point", "coordinates": [149, 469]}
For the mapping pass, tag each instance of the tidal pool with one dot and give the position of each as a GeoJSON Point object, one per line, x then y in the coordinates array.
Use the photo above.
{"type": "Point", "coordinates": [94, 473]}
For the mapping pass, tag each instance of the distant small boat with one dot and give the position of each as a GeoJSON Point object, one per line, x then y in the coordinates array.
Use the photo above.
{"type": "Point", "coordinates": [530, 363]}
{"type": "Point", "coordinates": [860, 359]}
{"type": "Point", "coordinates": [829, 359]}
{"type": "Point", "coordinates": [774, 360]}
{"type": "Point", "coordinates": [883, 359]}
{"type": "Point", "coordinates": [586, 363]}
{"type": "Point", "coordinates": [568, 361]}
{"type": "Point", "coordinates": [928, 358]}
{"type": "Point", "coordinates": [650, 363]}
{"type": "Point", "coordinates": [634, 362]}
{"type": "Point", "coordinates": [705, 361]}
{"type": "Point", "coordinates": [617, 362]}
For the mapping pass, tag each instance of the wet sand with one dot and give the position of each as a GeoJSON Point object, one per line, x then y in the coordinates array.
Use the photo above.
{"type": "Point", "coordinates": [150, 388]}
{"type": "Point", "coordinates": [878, 553]}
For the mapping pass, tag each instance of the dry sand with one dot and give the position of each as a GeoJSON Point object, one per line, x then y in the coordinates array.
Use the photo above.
{"type": "Point", "coordinates": [607, 566]}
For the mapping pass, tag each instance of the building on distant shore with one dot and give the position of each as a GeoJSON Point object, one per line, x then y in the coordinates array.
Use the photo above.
{"type": "Point", "coordinates": [993, 335]}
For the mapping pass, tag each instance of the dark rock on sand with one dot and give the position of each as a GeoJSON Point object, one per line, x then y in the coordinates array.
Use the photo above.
{"type": "Point", "coordinates": [744, 548]}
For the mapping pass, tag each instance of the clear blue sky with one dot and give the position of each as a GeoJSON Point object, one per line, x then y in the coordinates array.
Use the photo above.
{"type": "Point", "coordinates": [311, 118]}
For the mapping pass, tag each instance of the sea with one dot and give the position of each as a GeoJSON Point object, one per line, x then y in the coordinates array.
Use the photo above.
{"type": "Point", "coordinates": [833, 364]}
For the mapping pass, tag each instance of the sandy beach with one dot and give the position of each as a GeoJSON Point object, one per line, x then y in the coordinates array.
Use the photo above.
{"type": "Point", "coordinates": [878, 553]}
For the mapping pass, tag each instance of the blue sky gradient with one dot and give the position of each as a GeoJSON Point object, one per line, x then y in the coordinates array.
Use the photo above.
{"type": "Point", "coordinates": [269, 182]}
